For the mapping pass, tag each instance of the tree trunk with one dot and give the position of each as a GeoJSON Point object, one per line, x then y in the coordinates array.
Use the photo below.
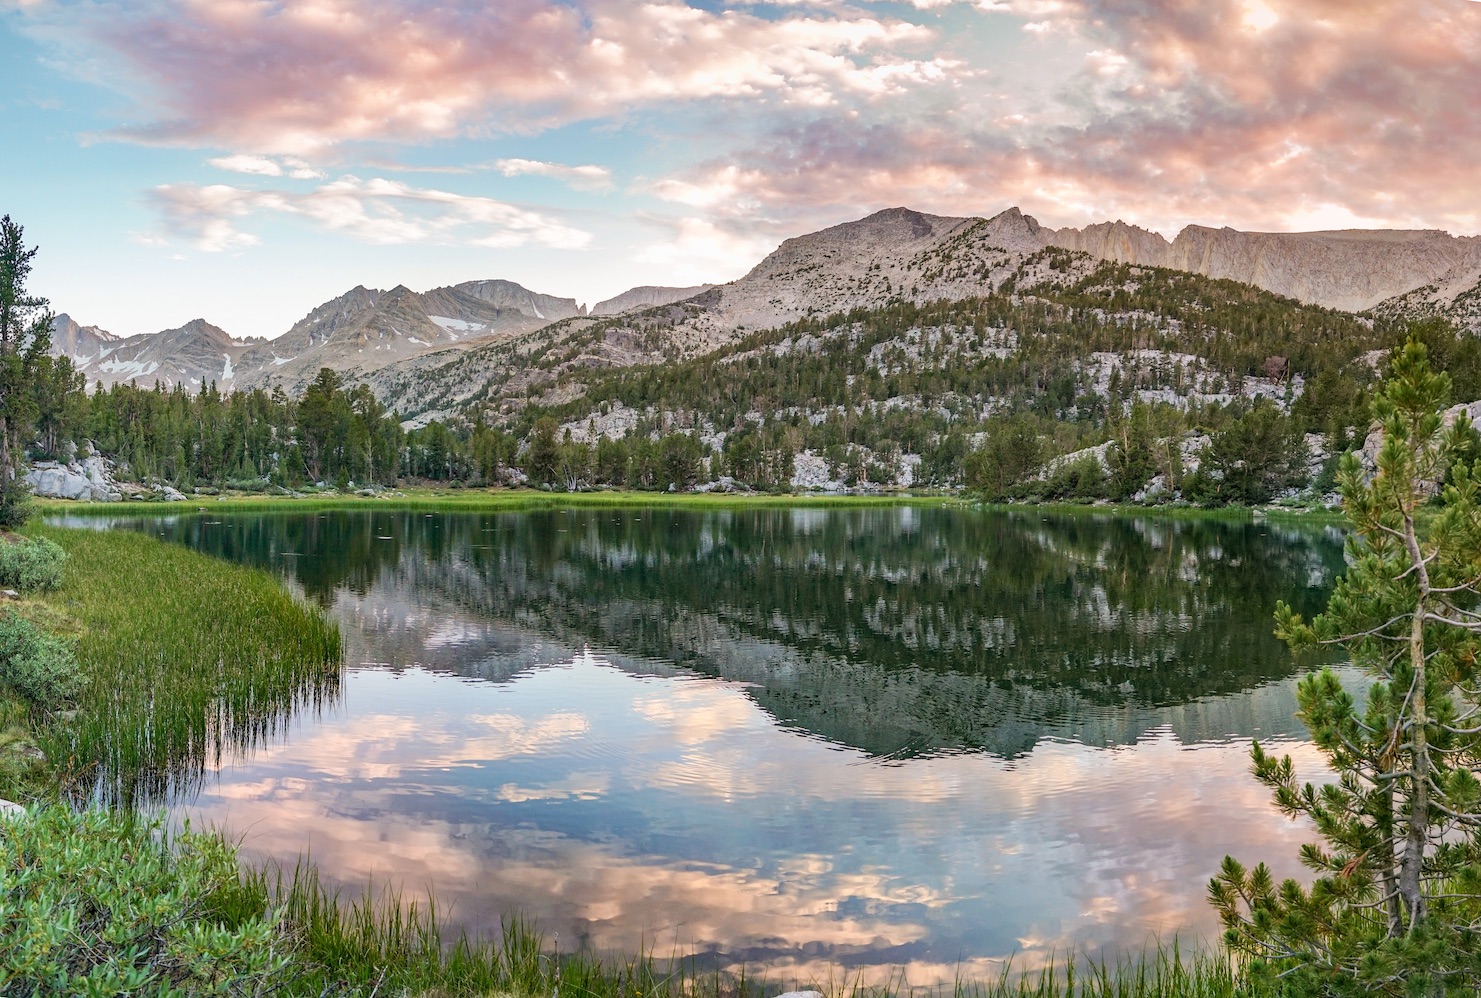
{"type": "Point", "coordinates": [1392, 906]}
{"type": "Point", "coordinates": [7, 455]}
{"type": "Point", "coordinates": [1417, 834]}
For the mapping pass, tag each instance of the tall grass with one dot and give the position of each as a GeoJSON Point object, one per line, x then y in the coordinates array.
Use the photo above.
{"type": "Point", "coordinates": [184, 658]}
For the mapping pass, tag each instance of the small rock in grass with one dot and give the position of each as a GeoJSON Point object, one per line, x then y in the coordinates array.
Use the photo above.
{"type": "Point", "coordinates": [801, 994]}
{"type": "Point", "coordinates": [28, 751]}
{"type": "Point", "coordinates": [11, 594]}
{"type": "Point", "coordinates": [11, 811]}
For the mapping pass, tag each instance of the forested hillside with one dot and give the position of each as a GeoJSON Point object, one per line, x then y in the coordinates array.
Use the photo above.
{"type": "Point", "coordinates": [1117, 382]}
{"type": "Point", "coordinates": [1076, 379]}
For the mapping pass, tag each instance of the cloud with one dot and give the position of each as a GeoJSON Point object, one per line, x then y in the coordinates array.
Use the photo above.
{"type": "Point", "coordinates": [700, 250]}
{"type": "Point", "coordinates": [583, 178]}
{"type": "Point", "coordinates": [267, 166]}
{"type": "Point", "coordinates": [1270, 114]}
{"type": "Point", "coordinates": [377, 211]}
{"type": "Point", "coordinates": [294, 76]}
{"type": "Point", "coordinates": [1259, 113]}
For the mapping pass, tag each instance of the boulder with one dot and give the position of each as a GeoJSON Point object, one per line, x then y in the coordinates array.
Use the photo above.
{"type": "Point", "coordinates": [87, 480]}
{"type": "Point", "coordinates": [11, 811]}
{"type": "Point", "coordinates": [1368, 455]}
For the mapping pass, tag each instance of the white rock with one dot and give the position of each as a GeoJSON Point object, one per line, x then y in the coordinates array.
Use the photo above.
{"type": "Point", "coordinates": [810, 471]}
{"type": "Point", "coordinates": [88, 480]}
{"type": "Point", "coordinates": [11, 811]}
{"type": "Point", "coordinates": [801, 994]}
{"type": "Point", "coordinates": [909, 468]}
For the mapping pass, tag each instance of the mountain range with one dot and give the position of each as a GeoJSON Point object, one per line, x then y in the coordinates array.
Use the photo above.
{"type": "Point", "coordinates": [431, 353]}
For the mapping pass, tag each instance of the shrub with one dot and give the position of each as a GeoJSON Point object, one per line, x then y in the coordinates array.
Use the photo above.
{"type": "Point", "coordinates": [32, 564]}
{"type": "Point", "coordinates": [1083, 478]}
{"type": "Point", "coordinates": [39, 667]}
{"type": "Point", "coordinates": [102, 903]}
{"type": "Point", "coordinates": [15, 503]}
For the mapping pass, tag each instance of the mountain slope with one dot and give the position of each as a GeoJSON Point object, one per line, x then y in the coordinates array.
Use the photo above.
{"type": "Point", "coordinates": [1350, 269]}
{"type": "Point", "coordinates": [191, 355]}
{"type": "Point", "coordinates": [646, 296]}
{"type": "Point", "coordinates": [893, 255]}
{"type": "Point", "coordinates": [1456, 297]}
{"type": "Point", "coordinates": [83, 344]}
{"type": "Point", "coordinates": [440, 350]}
{"type": "Point", "coordinates": [363, 330]}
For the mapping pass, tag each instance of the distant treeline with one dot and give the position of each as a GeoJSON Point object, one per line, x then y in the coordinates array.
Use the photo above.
{"type": "Point", "coordinates": [334, 434]}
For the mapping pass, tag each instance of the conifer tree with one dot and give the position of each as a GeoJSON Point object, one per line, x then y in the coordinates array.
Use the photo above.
{"type": "Point", "coordinates": [1395, 904]}
{"type": "Point", "coordinates": [25, 337]}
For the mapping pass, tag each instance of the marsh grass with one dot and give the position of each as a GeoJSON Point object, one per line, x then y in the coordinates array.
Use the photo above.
{"type": "Point", "coordinates": [185, 659]}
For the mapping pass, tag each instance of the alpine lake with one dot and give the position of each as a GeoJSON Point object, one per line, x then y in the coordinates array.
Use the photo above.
{"type": "Point", "coordinates": [820, 743]}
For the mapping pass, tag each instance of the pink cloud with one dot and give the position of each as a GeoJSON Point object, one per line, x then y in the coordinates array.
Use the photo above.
{"type": "Point", "coordinates": [1258, 113]}
{"type": "Point", "coordinates": [297, 76]}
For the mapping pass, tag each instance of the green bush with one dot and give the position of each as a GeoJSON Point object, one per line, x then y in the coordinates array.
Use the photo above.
{"type": "Point", "coordinates": [101, 903]}
{"type": "Point", "coordinates": [1084, 478]}
{"type": "Point", "coordinates": [15, 503]}
{"type": "Point", "coordinates": [31, 564]}
{"type": "Point", "coordinates": [39, 667]}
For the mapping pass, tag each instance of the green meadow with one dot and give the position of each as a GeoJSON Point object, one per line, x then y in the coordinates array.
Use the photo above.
{"type": "Point", "coordinates": [477, 500]}
{"type": "Point", "coordinates": [470, 500]}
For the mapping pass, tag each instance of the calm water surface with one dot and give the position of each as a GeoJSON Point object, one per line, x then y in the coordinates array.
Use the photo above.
{"type": "Point", "coordinates": [827, 740]}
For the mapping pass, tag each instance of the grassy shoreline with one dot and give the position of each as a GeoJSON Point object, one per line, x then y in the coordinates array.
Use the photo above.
{"type": "Point", "coordinates": [517, 500]}
{"type": "Point", "coordinates": [117, 587]}
{"type": "Point", "coordinates": [480, 500]}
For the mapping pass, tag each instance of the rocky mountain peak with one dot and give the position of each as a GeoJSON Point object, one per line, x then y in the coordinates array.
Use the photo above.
{"type": "Point", "coordinates": [82, 343]}
{"type": "Point", "coordinates": [1014, 230]}
{"type": "Point", "coordinates": [508, 294]}
{"type": "Point", "coordinates": [202, 330]}
{"type": "Point", "coordinates": [1118, 240]}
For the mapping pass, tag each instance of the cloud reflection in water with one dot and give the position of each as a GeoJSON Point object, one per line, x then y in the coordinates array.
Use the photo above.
{"type": "Point", "coordinates": [622, 810]}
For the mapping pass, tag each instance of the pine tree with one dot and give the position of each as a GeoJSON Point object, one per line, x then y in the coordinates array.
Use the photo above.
{"type": "Point", "coordinates": [1396, 901]}
{"type": "Point", "coordinates": [25, 337]}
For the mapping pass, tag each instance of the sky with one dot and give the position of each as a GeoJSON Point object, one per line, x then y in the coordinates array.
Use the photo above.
{"type": "Point", "coordinates": [245, 160]}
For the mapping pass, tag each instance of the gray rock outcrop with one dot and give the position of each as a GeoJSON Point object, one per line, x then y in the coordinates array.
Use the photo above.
{"type": "Point", "coordinates": [1348, 269]}
{"type": "Point", "coordinates": [1373, 442]}
{"type": "Point", "coordinates": [646, 297]}
{"type": "Point", "coordinates": [88, 480]}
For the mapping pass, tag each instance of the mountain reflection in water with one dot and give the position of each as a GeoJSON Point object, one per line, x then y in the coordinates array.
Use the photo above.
{"type": "Point", "coordinates": [805, 737]}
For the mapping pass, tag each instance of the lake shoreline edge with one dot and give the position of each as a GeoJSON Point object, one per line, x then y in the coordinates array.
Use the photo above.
{"type": "Point", "coordinates": [522, 500]}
